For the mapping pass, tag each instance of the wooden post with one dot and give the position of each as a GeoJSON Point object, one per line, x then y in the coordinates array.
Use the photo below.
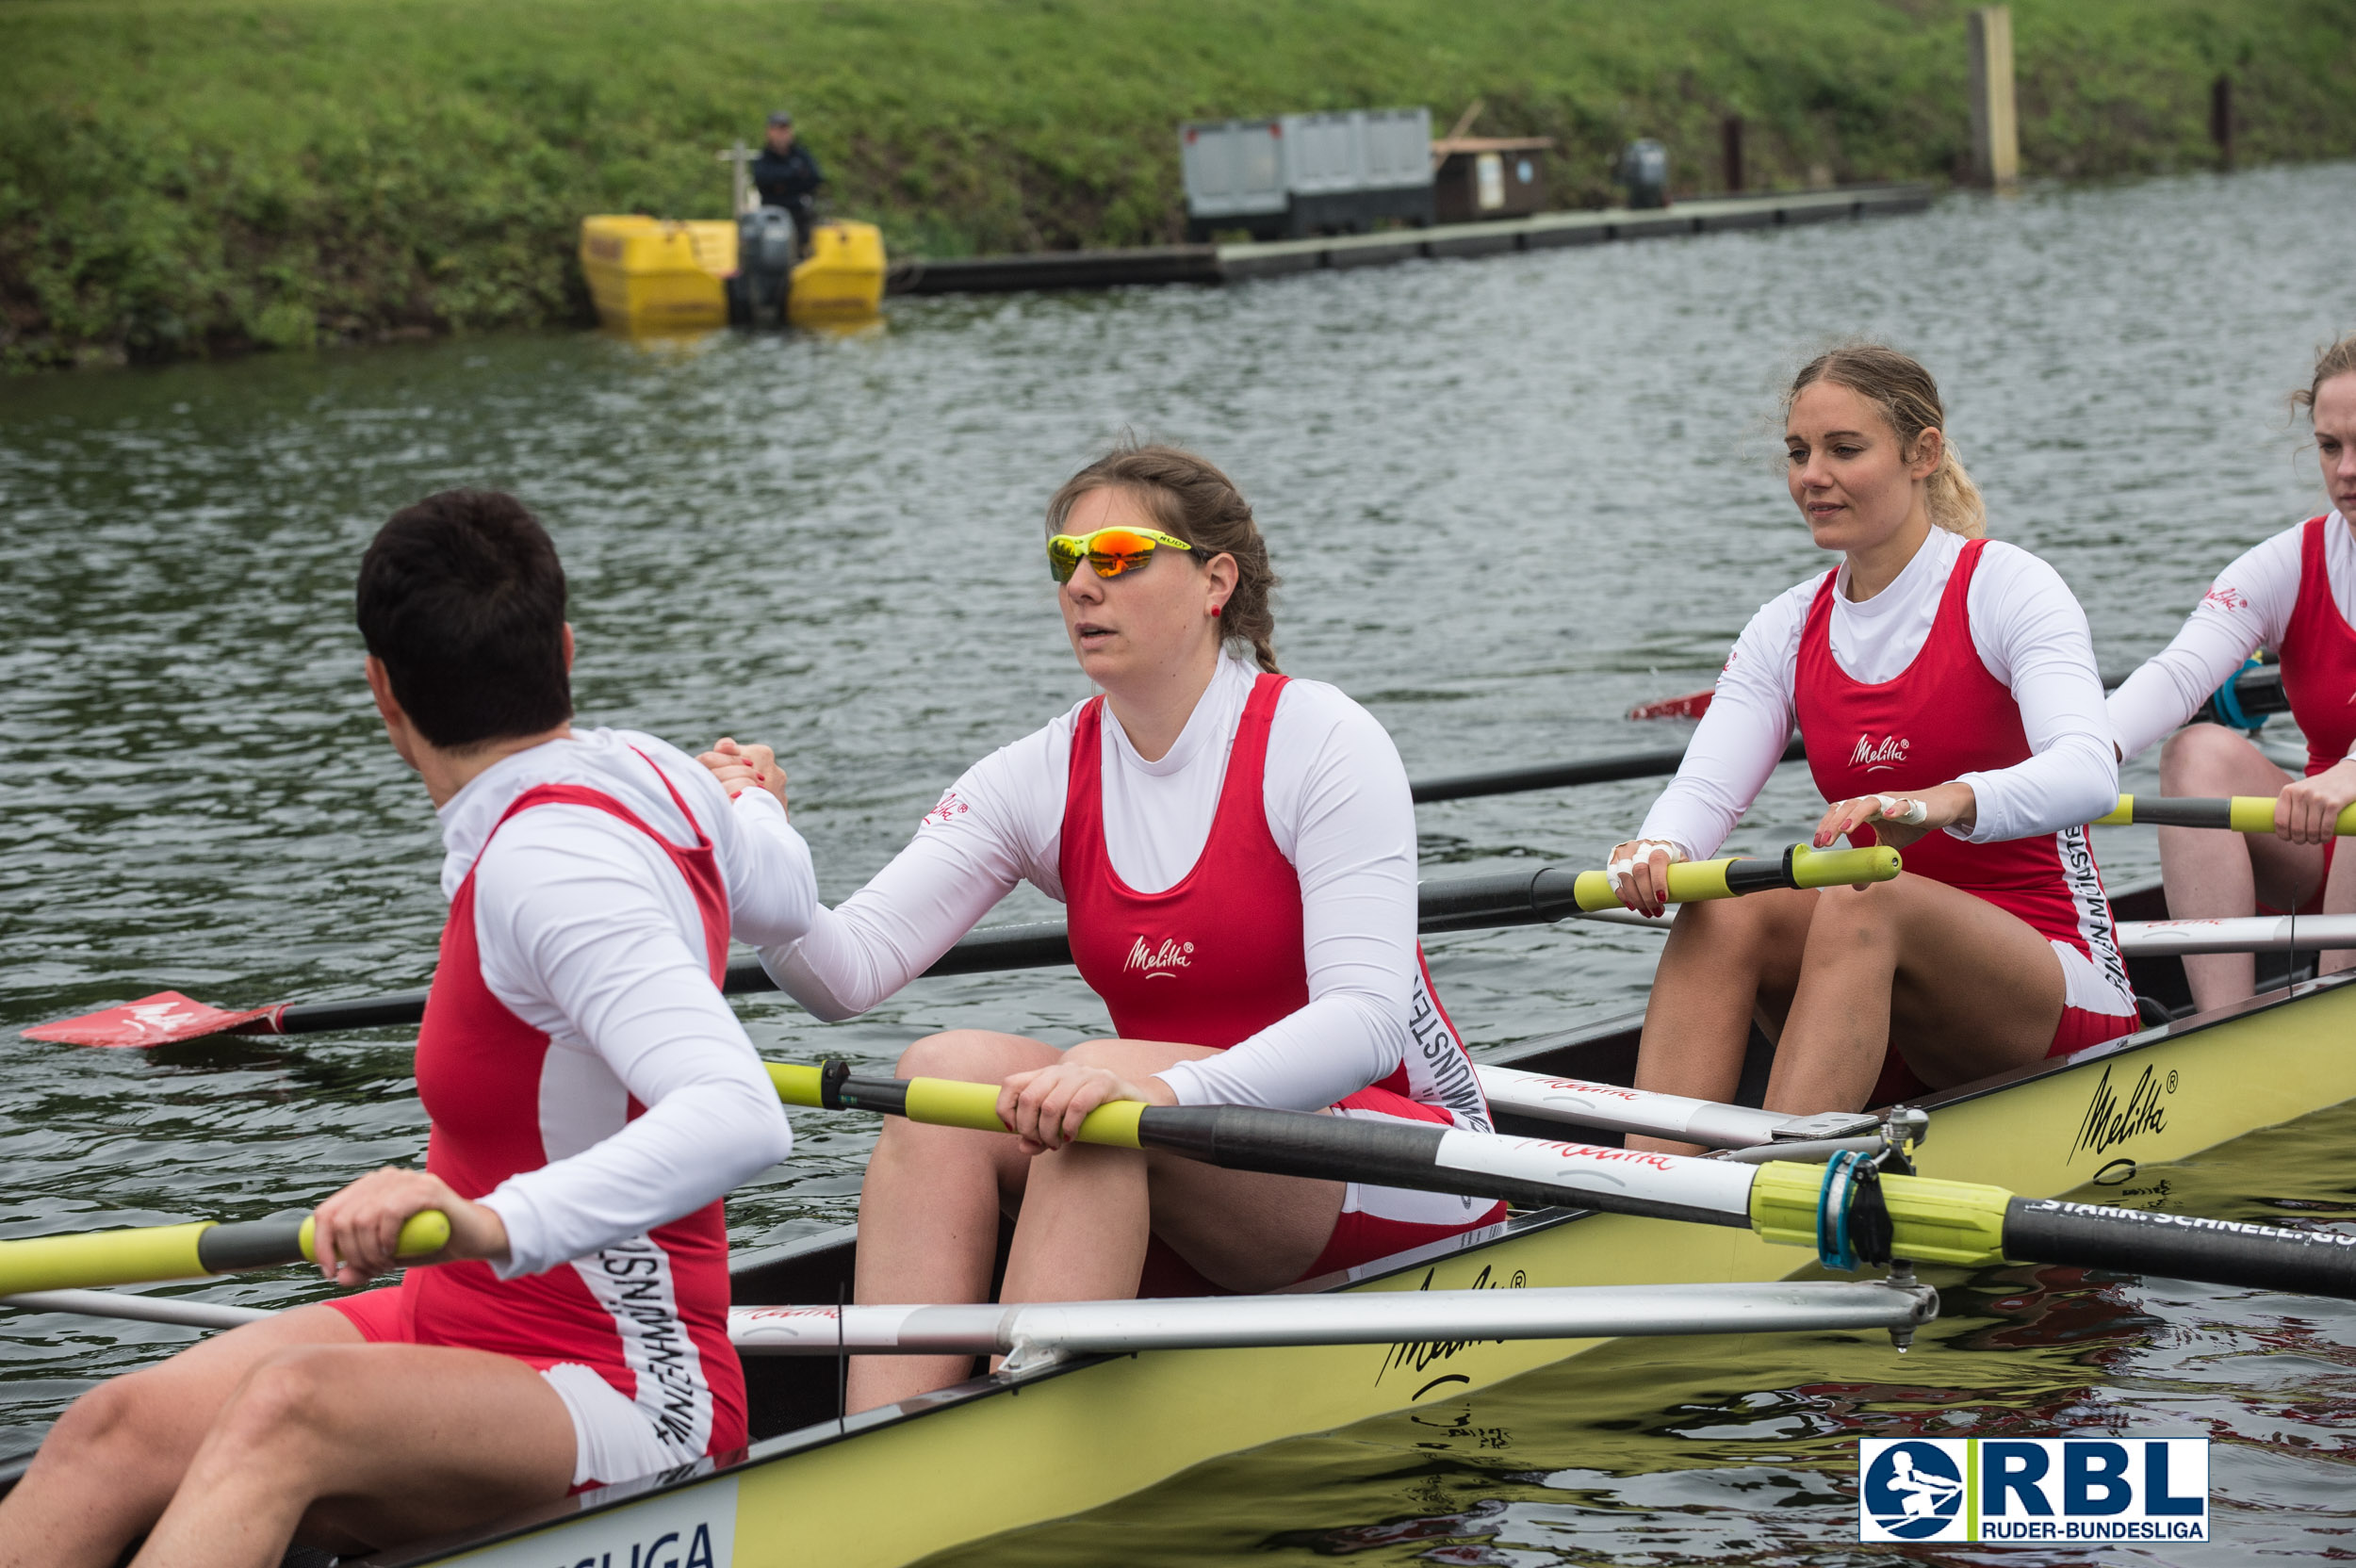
{"type": "Point", "coordinates": [1733, 147]}
{"type": "Point", "coordinates": [740, 197]}
{"type": "Point", "coordinates": [1995, 131]}
{"type": "Point", "coordinates": [2221, 120]}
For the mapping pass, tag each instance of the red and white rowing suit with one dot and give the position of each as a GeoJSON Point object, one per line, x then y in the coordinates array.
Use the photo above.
{"type": "Point", "coordinates": [2293, 596]}
{"type": "Point", "coordinates": [1975, 665]}
{"type": "Point", "coordinates": [1253, 888]}
{"type": "Point", "coordinates": [586, 1081]}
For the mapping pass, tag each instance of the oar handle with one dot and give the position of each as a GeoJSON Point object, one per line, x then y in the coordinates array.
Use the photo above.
{"type": "Point", "coordinates": [148, 1255]}
{"type": "Point", "coordinates": [935, 1102]}
{"type": "Point", "coordinates": [1694, 881]}
{"type": "Point", "coordinates": [2229, 813]}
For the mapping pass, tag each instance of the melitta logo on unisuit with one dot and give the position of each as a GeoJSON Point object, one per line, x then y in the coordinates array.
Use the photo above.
{"type": "Point", "coordinates": [2046, 1489]}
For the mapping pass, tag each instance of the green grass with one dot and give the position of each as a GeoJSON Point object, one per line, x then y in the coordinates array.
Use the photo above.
{"type": "Point", "coordinates": [191, 177]}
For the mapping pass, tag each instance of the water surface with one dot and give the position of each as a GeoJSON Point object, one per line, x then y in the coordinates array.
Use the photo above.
{"type": "Point", "coordinates": [1510, 498]}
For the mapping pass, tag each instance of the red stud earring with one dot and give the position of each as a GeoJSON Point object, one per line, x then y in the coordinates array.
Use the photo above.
{"type": "Point", "coordinates": [1217, 608]}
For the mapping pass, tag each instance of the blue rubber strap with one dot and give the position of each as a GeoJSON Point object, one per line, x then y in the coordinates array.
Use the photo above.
{"type": "Point", "coordinates": [1833, 1249]}
{"type": "Point", "coordinates": [2228, 702]}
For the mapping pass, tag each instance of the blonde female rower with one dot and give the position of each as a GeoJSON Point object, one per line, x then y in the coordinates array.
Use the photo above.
{"type": "Point", "coordinates": [2294, 594]}
{"type": "Point", "coordinates": [1237, 852]}
{"type": "Point", "coordinates": [1946, 689]}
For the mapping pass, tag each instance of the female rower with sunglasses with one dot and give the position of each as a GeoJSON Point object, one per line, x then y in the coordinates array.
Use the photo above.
{"type": "Point", "coordinates": [1945, 687]}
{"type": "Point", "coordinates": [1237, 853]}
{"type": "Point", "coordinates": [2294, 594]}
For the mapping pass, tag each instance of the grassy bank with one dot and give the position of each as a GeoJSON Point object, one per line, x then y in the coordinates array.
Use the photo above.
{"type": "Point", "coordinates": [190, 176]}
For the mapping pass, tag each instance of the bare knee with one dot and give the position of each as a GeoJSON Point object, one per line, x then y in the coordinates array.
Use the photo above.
{"type": "Point", "coordinates": [286, 1399]}
{"type": "Point", "coordinates": [107, 1423]}
{"type": "Point", "coordinates": [968, 1055]}
{"type": "Point", "coordinates": [1848, 919]}
{"type": "Point", "coordinates": [2196, 756]}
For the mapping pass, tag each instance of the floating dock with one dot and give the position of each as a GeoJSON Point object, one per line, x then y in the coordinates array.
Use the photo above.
{"type": "Point", "coordinates": [1212, 264]}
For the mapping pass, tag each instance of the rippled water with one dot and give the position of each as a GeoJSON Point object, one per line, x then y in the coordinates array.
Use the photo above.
{"type": "Point", "coordinates": [1510, 498]}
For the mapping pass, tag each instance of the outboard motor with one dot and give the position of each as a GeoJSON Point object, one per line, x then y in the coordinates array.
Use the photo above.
{"type": "Point", "coordinates": [765, 253]}
{"type": "Point", "coordinates": [1644, 171]}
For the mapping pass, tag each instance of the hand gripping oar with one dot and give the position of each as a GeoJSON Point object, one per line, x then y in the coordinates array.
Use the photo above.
{"type": "Point", "coordinates": [2234, 814]}
{"type": "Point", "coordinates": [1849, 1210]}
{"type": "Point", "coordinates": [149, 1255]}
{"type": "Point", "coordinates": [1456, 903]}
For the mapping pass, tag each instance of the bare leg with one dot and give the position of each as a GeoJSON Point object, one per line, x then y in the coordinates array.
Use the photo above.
{"type": "Point", "coordinates": [928, 1209]}
{"type": "Point", "coordinates": [1723, 957]}
{"type": "Point", "coordinates": [2212, 874]}
{"type": "Point", "coordinates": [109, 1466]}
{"type": "Point", "coordinates": [222, 1451]}
{"type": "Point", "coordinates": [1089, 1211]}
{"type": "Point", "coordinates": [364, 1447]}
{"type": "Point", "coordinates": [1963, 988]}
{"type": "Point", "coordinates": [929, 1214]}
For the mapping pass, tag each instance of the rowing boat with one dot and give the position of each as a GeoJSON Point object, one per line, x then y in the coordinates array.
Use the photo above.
{"type": "Point", "coordinates": [998, 1453]}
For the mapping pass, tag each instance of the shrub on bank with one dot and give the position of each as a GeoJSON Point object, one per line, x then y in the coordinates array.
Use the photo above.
{"type": "Point", "coordinates": [185, 177]}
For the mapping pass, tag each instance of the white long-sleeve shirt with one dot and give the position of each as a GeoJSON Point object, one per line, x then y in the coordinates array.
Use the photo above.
{"type": "Point", "coordinates": [2247, 608]}
{"type": "Point", "coordinates": [1337, 805]}
{"type": "Point", "coordinates": [2029, 631]}
{"type": "Point", "coordinates": [587, 932]}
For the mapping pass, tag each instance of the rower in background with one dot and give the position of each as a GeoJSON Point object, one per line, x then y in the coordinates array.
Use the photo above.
{"type": "Point", "coordinates": [1945, 686]}
{"type": "Point", "coordinates": [591, 1095]}
{"type": "Point", "coordinates": [1237, 852]}
{"type": "Point", "coordinates": [2295, 596]}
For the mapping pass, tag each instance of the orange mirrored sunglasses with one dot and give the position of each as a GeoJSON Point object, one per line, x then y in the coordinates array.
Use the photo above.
{"type": "Point", "coordinates": [1108, 551]}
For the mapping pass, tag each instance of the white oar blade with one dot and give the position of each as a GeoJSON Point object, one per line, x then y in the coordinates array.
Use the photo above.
{"type": "Point", "coordinates": [1358, 1318]}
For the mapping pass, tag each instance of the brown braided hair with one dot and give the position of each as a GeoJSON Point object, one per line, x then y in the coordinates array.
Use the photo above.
{"type": "Point", "coordinates": [1898, 385]}
{"type": "Point", "coordinates": [2335, 359]}
{"type": "Point", "coordinates": [1190, 499]}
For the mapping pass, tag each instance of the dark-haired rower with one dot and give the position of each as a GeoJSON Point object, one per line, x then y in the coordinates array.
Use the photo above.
{"type": "Point", "coordinates": [591, 1096]}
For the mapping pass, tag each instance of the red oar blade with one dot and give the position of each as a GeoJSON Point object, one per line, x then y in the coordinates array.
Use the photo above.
{"type": "Point", "coordinates": [1693, 705]}
{"type": "Point", "coordinates": [158, 1020]}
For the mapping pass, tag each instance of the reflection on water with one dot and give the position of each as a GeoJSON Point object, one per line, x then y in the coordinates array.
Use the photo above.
{"type": "Point", "coordinates": [1509, 498]}
{"type": "Point", "coordinates": [1743, 1449]}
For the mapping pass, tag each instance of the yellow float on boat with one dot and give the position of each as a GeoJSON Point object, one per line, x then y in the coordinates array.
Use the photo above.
{"type": "Point", "coordinates": [656, 274]}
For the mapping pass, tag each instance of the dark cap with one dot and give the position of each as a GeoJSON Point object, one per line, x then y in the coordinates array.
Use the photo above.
{"type": "Point", "coordinates": [780, 118]}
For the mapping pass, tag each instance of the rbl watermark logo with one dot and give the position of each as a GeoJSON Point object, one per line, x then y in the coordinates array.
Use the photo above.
{"type": "Point", "coordinates": [2050, 1489]}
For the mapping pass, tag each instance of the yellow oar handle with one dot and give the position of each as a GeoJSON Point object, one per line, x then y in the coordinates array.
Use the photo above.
{"type": "Point", "coordinates": [936, 1101]}
{"type": "Point", "coordinates": [422, 1235]}
{"type": "Point", "coordinates": [2231, 813]}
{"type": "Point", "coordinates": [1692, 881]}
{"type": "Point", "coordinates": [151, 1253]}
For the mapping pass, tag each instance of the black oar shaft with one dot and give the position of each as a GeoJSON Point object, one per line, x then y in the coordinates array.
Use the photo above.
{"type": "Point", "coordinates": [2181, 1247]}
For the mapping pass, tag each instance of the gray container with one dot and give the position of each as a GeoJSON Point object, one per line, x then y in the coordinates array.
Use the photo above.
{"type": "Point", "coordinates": [1234, 169]}
{"type": "Point", "coordinates": [1306, 174]}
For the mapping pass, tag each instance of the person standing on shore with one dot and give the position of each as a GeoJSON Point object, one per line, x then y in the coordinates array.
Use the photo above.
{"type": "Point", "coordinates": [788, 177]}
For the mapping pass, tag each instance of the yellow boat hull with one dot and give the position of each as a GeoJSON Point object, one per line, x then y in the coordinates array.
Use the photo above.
{"type": "Point", "coordinates": [662, 275]}
{"type": "Point", "coordinates": [894, 1486]}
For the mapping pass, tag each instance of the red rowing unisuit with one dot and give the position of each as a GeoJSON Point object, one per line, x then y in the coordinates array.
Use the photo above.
{"type": "Point", "coordinates": [2319, 674]}
{"type": "Point", "coordinates": [2319, 658]}
{"type": "Point", "coordinates": [1218, 958]}
{"type": "Point", "coordinates": [1946, 715]}
{"type": "Point", "coordinates": [649, 1313]}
